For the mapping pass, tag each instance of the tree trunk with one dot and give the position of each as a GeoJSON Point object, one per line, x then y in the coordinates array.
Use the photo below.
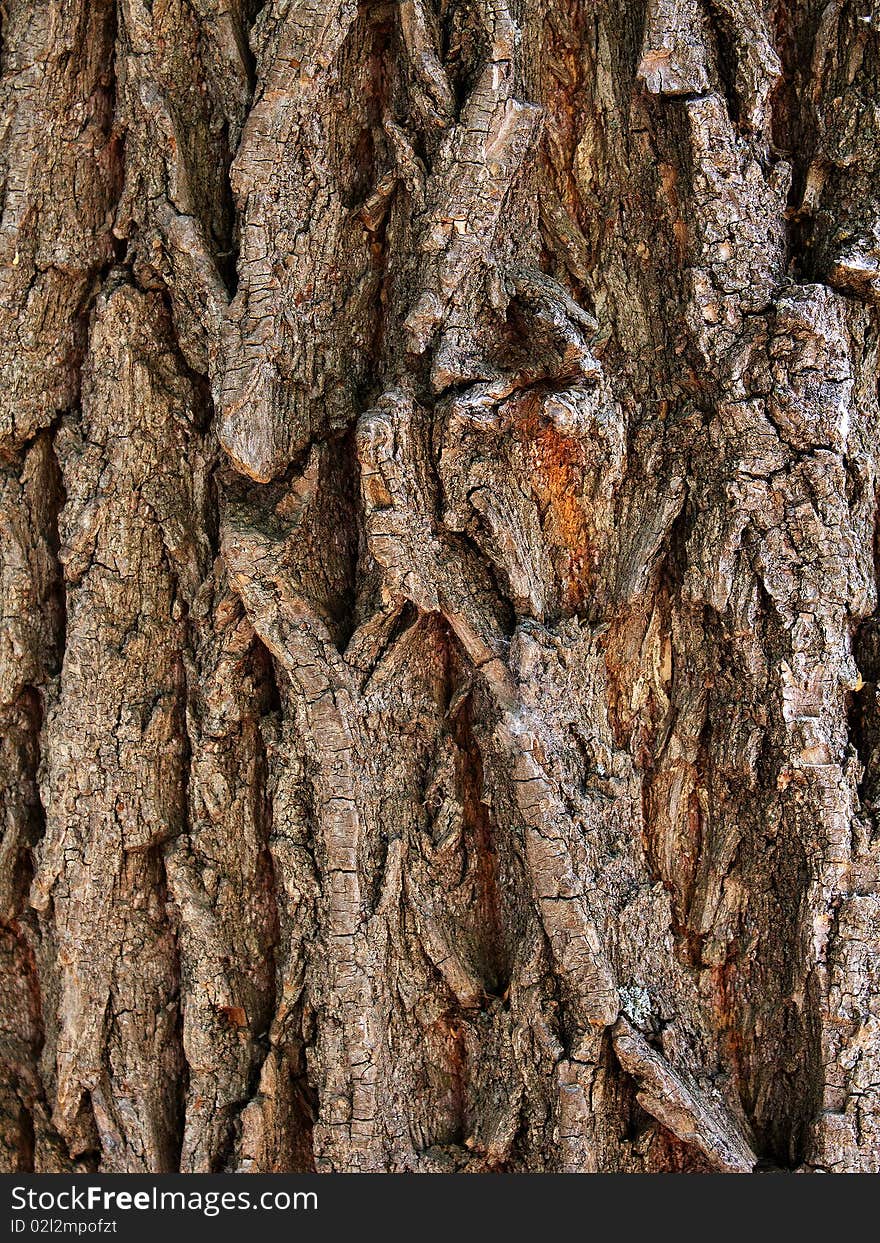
{"type": "Point", "coordinates": [438, 648]}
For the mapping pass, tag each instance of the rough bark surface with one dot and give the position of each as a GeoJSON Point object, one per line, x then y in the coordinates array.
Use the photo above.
{"type": "Point", "coordinates": [439, 648]}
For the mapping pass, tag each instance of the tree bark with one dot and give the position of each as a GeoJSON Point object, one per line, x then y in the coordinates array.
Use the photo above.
{"type": "Point", "coordinates": [439, 649]}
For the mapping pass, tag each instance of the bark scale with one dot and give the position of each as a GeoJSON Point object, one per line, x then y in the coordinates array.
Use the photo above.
{"type": "Point", "coordinates": [438, 646]}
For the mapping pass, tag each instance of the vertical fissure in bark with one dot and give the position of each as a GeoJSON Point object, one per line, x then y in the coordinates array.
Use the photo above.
{"type": "Point", "coordinates": [493, 951]}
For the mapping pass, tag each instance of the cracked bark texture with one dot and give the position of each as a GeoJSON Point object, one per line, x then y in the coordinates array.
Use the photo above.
{"type": "Point", "coordinates": [439, 642]}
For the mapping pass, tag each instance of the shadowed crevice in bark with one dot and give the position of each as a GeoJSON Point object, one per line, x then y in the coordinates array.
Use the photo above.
{"type": "Point", "coordinates": [493, 951]}
{"type": "Point", "coordinates": [33, 636]}
{"type": "Point", "coordinates": [863, 715]}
